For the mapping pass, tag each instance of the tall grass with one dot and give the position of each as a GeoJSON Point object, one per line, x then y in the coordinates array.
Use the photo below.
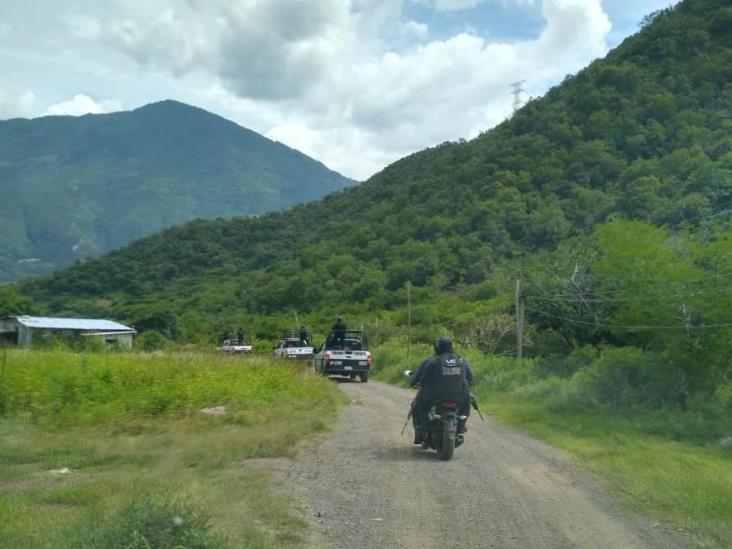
{"type": "Point", "coordinates": [59, 386]}
{"type": "Point", "coordinates": [106, 450]}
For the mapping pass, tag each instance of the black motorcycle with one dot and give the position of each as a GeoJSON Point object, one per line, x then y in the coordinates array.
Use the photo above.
{"type": "Point", "coordinates": [442, 429]}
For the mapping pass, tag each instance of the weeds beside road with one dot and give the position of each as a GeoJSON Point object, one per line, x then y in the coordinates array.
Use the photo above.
{"type": "Point", "coordinates": [105, 450]}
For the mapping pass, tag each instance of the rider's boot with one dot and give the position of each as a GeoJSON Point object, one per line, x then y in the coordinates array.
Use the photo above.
{"type": "Point", "coordinates": [418, 437]}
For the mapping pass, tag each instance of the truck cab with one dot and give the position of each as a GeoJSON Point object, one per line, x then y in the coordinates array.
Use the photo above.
{"type": "Point", "coordinates": [236, 346]}
{"type": "Point", "coordinates": [292, 347]}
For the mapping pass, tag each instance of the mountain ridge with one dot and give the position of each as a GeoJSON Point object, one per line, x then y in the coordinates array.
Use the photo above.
{"type": "Point", "coordinates": [107, 179]}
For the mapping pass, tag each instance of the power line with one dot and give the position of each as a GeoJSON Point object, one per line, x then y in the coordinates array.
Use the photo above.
{"type": "Point", "coordinates": [627, 290]}
{"type": "Point", "coordinates": [631, 327]}
{"type": "Point", "coordinates": [628, 299]}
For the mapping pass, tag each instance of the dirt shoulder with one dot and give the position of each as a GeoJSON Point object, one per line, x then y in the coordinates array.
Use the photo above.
{"type": "Point", "coordinates": [366, 486]}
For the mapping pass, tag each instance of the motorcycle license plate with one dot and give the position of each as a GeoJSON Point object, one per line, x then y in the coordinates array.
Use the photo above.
{"type": "Point", "coordinates": [348, 367]}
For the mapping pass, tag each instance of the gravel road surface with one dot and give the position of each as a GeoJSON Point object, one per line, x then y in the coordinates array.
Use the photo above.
{"type": "Point", "coordinates": [366, 486]}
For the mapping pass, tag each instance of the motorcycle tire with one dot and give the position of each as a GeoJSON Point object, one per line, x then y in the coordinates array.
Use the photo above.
{"type": "Point", "coordinates": [448, 447]}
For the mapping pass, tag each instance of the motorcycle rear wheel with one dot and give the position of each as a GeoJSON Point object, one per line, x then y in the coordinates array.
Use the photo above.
{"type": "Point", "coordinates": [448, 447]}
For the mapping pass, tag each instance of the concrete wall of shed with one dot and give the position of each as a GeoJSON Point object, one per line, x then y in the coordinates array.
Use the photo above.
{"type": "Point", "coordinates": [25, 335]}
{"type": "Point", "coordinates": [123, 340]}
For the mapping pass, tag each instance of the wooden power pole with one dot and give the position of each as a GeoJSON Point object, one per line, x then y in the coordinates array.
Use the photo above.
{"type": "Point", "coordinates": [519, 321]}
{"type": "Point", "coordinates": [409, 319]}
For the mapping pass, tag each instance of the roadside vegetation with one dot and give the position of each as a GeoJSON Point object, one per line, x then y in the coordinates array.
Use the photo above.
{"type": "Point", "coordinates": [113, 450]}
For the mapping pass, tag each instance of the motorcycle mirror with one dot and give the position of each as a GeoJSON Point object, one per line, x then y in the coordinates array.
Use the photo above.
{"type": "Point", "coordinates": [408, 373]}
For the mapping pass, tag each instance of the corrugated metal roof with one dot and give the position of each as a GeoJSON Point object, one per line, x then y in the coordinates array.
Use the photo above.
{"type": "Point", "coordinates": [92, 324]}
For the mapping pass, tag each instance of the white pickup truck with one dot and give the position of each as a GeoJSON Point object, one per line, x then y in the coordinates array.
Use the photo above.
{"type": "Point", "coordinates": [344, 354]}
{"type": "Point", "coordinates": [235, 346]}
{"type": "Point", "coordinates": [292, 347]}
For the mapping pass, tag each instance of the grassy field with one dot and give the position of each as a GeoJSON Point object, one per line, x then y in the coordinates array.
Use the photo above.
{"type": "Point", "coordinates": [112, 450]}
{"type": "Point", "coordinates": [664, 464]}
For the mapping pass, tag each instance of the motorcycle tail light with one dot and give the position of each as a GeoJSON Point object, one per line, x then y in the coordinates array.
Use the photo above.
{"type": "Point", "coordinates": [450, 405]}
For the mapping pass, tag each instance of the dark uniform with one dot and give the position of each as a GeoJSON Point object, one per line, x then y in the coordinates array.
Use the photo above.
{"type": "Point", "coordinates": [304, 336]}
{"type": "Point", "coordinates": [446, 376]}
{"type": "Point", "coordinates": [339, 332]}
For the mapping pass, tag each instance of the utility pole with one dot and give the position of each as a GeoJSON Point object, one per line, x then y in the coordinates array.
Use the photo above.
{"type": "Point", "coordinates": [519, 321]}
{"type": "Point", "coordinates": [517, 90]}
{"type": "Point", "coordinates": [409, 319]}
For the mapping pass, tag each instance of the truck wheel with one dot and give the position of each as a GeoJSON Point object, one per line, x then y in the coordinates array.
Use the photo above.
{"type": "Point", "coordinates": [364, 377]}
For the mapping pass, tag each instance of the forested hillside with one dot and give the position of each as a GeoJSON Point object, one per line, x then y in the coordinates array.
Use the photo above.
{"type": "Point", "coordinates": [609, 199]}
{"type": "Point", "coordinates": [74, 187]}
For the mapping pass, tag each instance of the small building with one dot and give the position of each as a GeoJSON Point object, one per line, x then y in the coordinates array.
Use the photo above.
{"type": "Point", "coordinates": [24, 329]}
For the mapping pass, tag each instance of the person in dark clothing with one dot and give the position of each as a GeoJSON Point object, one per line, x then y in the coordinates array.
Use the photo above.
{"type": "Point", "coordinates": [240, 336]}
{"type": "Point", "coordinates": [339, 332]}
{"type": "Point", "coordinates": [304, 336]}
{"type": "Point", "coordinates": [446, 376]}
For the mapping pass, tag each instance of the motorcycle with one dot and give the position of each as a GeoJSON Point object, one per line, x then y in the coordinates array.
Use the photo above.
{"type": "Point", "coordinates": [441, 432]}
{"type": "Point", "coordinates": [445, 425]}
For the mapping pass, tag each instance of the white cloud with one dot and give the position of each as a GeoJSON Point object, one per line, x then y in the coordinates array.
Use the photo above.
{"type": "Point", "coordinates": [460, 5]}
{"type": "Point", "coordinates": [370, 113]}
{"type": "Point", "coordinates": [321, 75]}
{"type": "Point", "coordinates": [456, 5]}
{"type": "Point", "coordinates": [354, 83]}
{"type": "Point", "coordinates": [16, 104]}
{"type": "Point", "coordinates": [416, 30]}
{"type": "Point", "coordinates": [83, 104]}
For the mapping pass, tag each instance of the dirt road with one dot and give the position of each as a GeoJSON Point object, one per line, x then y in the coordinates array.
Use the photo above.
{"type": "Point", "coordinates": [366, 486]}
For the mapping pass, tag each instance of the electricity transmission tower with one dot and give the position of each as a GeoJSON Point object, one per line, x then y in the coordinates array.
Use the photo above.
{"type": "Point", "coordinates": [516, 91]}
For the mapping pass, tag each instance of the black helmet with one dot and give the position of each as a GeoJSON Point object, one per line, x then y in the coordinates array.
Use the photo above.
{"type": "Point", "coordinates": [443, 345]}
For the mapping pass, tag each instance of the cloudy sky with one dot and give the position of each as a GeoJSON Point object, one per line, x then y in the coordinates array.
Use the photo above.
{"type": "Point", "coordinates": [356, 84]}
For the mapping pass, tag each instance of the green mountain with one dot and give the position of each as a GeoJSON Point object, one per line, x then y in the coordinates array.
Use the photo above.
{"type": "Point", "coordinates": [75, 187]}
{"type": "Point", "coordinates": [591, 191]}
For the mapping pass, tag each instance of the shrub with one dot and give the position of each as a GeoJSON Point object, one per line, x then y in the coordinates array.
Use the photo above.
{"type": "Point", "coordinates": [567, 366]}
{"type": "Point", "coordinates": [152, 341]}
{"type": "Point", "coordinates": [151, 522]}
{"type": "Point", "coordinates": [618, 378]}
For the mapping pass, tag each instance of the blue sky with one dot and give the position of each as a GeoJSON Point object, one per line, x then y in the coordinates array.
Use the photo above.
{"type": "Point", "coordinates": [356, 84]}
{"type": "Point", "coordinates": [509, 20]}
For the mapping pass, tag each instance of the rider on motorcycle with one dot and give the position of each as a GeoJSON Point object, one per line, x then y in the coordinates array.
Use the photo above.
{"type": "Point", "coordinates": [446, 376]}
